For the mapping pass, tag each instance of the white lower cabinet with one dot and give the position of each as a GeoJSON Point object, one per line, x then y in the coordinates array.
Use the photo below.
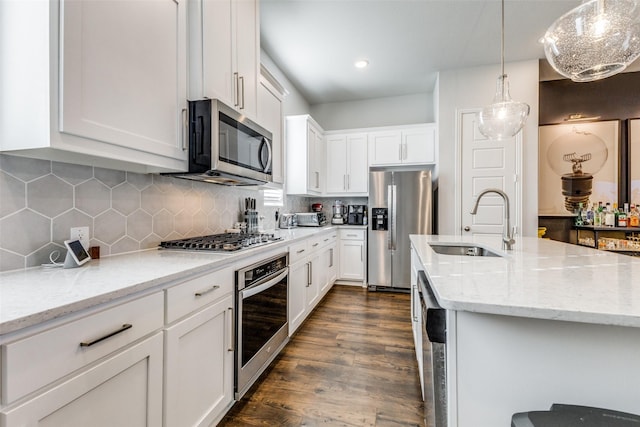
{"type": "Point", "coordinates": [199, 366]}
{"type": "Point", "coordinates": [310, 276]}
{"type": "Point", "coordinates": [353, 255]}
{"type": "Point", "coordinates": [123, 390]}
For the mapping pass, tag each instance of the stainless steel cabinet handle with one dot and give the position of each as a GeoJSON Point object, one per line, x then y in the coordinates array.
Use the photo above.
{"type": "Point", "coordinates": [236, 91]}
{"type": "Point", "coordinates": [300, 251]}
{"type": "Point", "coordinates": [361, 253]}
{"type": "Point", "coordinates": [331, 257]}
{"type": "Point", "coordinates": [241, 78]}
{"type": "Point", "coordinates": [185, 129]}
{"type": "Point", "coordinates": [326, 240]}
{"type": "Point", "coordinates": [400, 152]}
{"type": "Point", "coordinates": [233, 332]}
{"type": "Point", "coordinates": [317, 179]}
{"type": "Point", "coordinates": [308, 274]}
{"type": "Point", "coordinates": [206, 291]}
{"type": "Point", "coordinates": [413, 303]}
{"type": "Point", "coordinates": [122, 329]}
{"type": "Point", "coordinates": [348, 181]}
{"type": "Point", "coordinates": [352, 235]}
{"type": "Point", "coordinates": [344, 182]}
{"type": "Point", "coordinates": [315, 244]}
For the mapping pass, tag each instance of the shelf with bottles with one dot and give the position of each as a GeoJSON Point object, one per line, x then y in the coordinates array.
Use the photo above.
{"type": "Point", "coordinates": [614, 239]}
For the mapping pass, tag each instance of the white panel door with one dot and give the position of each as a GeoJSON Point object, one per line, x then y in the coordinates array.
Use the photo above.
{"type": "Point", "coordinates": [358, 178]}
{"type": "Point", "coordinates": [486, 164]}
{"type": "Point", "coordinates": [385, 148]}
{"type": "Point", "coordinates": [336, 164]}
{"type": "Point", "coordinates": [199, 366]}
{"type": "Point", "coordinates": [123, 73]}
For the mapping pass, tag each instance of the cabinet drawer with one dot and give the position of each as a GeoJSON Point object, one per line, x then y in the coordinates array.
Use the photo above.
{"type": "Point", "coordinates": [36, 361]}
{"type": "Point", "coordinates": [298, 251]}
{"type": "Point", "coordinates": [189, 296]}
{"type": "Point", "coordinates": [351, 234]}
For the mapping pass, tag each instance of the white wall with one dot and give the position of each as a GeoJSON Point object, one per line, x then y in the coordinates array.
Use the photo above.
{"type": "Point", "coordinates": [474, 88]}
{"type": "Point", "coordinates": [294, 103]}
{"type": "Point", "coordinates": [397, 110]}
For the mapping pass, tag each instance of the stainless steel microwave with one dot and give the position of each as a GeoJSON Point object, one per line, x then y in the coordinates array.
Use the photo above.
{"type": "Point", "coordinates": [226, 147]}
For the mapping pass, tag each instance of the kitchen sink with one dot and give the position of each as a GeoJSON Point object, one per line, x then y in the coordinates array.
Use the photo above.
{"type": "Point", "coordinates": [463, 249]}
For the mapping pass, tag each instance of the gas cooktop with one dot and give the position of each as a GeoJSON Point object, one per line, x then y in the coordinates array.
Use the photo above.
{"type": "Point", "coordinates": [225, 242]}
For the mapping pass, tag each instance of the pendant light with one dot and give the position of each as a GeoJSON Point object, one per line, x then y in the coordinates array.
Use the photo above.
{"type": "Point", "coordinates": [595, 40]}
{"type": "Point", "coordinates": [504, 117]}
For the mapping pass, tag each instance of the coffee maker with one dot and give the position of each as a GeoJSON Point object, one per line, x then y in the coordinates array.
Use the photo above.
{"type": "Point", "coordinates": [339, 213]}
{"type": "Point", "coordinates": [356, 214]}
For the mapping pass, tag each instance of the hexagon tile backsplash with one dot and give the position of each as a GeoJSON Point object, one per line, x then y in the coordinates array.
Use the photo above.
{"type": "Point", "coordinates": [41, 200]}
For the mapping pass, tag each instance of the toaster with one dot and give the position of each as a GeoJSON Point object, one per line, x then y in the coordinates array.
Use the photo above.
{"type": "Point", "coordinates": [288, 220]}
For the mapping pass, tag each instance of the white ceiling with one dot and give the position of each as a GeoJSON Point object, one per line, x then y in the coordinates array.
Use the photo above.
{"type": "Point", "coordinates": [315, 42]}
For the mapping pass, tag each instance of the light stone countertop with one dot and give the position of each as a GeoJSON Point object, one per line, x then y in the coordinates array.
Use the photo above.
{"type": "Point", "coordinates": [540, 278]}
{"type": "Point", "coordinates": [35, 295]}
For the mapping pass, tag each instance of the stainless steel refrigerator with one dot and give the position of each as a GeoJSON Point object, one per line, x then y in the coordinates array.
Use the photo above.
{"type": "Point", "coordinates": [400, 204]}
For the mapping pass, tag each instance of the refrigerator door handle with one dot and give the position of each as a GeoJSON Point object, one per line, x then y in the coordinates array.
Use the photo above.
{"type": "Point", "coordinates": [392, 218]}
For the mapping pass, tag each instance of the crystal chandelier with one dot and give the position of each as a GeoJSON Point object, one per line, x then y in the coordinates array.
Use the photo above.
{"type": "Point", "coordinates": [595, 40]}
{"type": "Point", "coordinates": [504, 117]}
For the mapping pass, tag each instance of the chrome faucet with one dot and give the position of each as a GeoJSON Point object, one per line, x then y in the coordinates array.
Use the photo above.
{"type": "Point", "coordinates": [507, 235]}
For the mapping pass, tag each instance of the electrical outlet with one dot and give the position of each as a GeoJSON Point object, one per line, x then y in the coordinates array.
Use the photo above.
{"type": "Point", "coordinates": [82, 234]}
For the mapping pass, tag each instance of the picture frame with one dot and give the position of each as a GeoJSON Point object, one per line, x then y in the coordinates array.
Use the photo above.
{"type": "Point", "coordinates": [634, 161]}
{"type": "Point", "coordinates": [592, 146]}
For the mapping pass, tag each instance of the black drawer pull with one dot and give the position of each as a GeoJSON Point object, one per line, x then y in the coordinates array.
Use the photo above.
{"type": "Point", "coordinates": [90, 343]}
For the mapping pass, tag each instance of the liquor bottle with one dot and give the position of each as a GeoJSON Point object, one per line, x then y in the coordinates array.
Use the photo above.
{"type": "Point", "coordinates": [616, 215]}
{"type": "Point", "coordinates": [597, 219]}
{"type": "Point", "coordinates": [578, 219]}
{"type": "Point", "coordinates": [634, 217]}
{"type": "Point", "coordinates": [622, 219]}
{"type": "Point", "coordinates": [609, 216]}
{"type": "Point", "coordinates": [589, 219]}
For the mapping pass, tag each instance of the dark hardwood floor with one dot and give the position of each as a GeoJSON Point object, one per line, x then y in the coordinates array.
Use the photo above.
{"type": "Point", "coordinates": [352, 363]}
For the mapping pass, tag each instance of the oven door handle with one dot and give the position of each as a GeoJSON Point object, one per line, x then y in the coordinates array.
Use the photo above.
{"type": "Point", "coordinates": [256, 289]}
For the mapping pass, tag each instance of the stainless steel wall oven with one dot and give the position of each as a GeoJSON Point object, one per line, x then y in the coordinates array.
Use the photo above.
{"type": "Point", "coordinates": [261, 322]}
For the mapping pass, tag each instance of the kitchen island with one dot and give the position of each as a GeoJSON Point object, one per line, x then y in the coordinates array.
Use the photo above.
{"type": "Point", "coordinates": [545, 323]}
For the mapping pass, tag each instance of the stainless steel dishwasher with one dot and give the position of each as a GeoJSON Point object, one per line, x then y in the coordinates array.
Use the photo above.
{"type": "Point", "coordinates": [434, 362]}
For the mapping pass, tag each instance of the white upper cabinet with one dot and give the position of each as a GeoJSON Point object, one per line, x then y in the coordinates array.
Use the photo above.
{"type": "Point", "coordinates": [225, 52]}
{"type": "Point", "coordinates": [96, 82]}
{"type": "Point", "coordinates": [270, 116]}
{"type": "Point", "coordinates": [305, 156]}
{"type": "Point", "coordinates": [347, 166]}
{"type": "Point", "coordinates": [402, 146]}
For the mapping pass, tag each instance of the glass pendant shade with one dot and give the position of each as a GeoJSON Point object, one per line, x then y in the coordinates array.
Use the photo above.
{"type": "Point", "coordinates": [504, 117]}
{"type": "Point", "coordinates": [595, 40]}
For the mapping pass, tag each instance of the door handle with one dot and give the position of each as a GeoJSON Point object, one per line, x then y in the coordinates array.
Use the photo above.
{"type": "Point", "coordinates": [232, 333]}
{"type": "Point", "coordinates": [467, 228]}
{"type": "Point", "coordinates": [236, 83]}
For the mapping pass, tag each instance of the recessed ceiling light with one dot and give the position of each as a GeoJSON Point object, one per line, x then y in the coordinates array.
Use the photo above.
{"type": "Point", "coordinates": [362, 63]}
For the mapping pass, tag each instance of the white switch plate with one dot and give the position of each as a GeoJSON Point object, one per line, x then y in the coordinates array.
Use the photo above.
{"type": "Point", "coordinates": [82, 234]}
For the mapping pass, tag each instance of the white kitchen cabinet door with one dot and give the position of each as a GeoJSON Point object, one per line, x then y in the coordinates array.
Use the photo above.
{"type": "Point", "coordinates": [305, 156]}
{"type": "Point", "coordinates": [199, 366]}
{"type": "Point", "coordinates": [336, 180]}
{"type": "Point", "coordinates": [347, 167]}
{"type": "Point", "coordinates": [352, 260]}
{"type": "Point", "coordinates": [109, 79]}
{"type": "Point", "coordinates": [329, 266]}
{"type": "Point", "coordinates": [407, 145]}
{"type": "Point", "coordinates": [419, 145]}
{"type": "Point", "coordinates": [247, 44]}
{"type": "Point", "coordinates": [385, 148]}
{"type": "Point", "coordinates": [123, 390]}
{"type": "Point", "coordinates": [317, 275]}
{"type": "Point", "coordinates": [271, 118]}
{"type": "Point", "coordinates": [358, 178]}
{"type": "Point", "coordinates": [299, 280]}
{"type": "Point", "coordinates": [316, 160]}
{"type": "Point", "coordinates": [225, 52]}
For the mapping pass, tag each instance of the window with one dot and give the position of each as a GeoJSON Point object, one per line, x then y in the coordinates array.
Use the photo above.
{"type": "Point", "coordinates": [273, 197]}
